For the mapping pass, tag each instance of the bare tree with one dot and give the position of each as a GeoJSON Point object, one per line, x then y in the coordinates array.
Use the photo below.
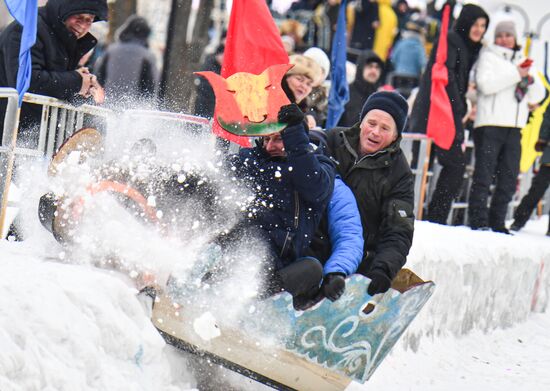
{"type": "Point", "coordinates": [119, 11]}
{"type": "Point", "coordinates": [183, 52]}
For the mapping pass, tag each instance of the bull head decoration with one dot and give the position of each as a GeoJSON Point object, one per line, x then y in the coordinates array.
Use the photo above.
{"type": "Point", "coordinates": [247, 104]}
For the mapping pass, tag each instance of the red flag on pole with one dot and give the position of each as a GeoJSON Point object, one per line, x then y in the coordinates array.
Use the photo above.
{"type": "Point", "coordinates": [253, 44]}
{"type": "Point", "coordinates": [441, 125]}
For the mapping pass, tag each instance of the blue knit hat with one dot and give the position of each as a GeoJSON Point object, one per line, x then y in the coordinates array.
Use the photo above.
{"type": "Point", "coordinates": [390, 102]}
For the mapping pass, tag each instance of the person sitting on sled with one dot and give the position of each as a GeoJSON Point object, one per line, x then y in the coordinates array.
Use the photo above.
{"type": "Point", "coordinates": [292, 186]}
{"type": "Point", "coordinates": [338, 242]}
{"type": "Point", "coordinates": [375, 168]}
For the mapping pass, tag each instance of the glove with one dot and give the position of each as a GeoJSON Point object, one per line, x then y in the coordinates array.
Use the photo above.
{"type": "Point", "coordinates": [290, 114]}
{"type": "Point", "coordinates": [334, 285]}
{"type": "Point", "coordinates": [540, 145]}
{"type": "Point", "coordinates": [380, 282]}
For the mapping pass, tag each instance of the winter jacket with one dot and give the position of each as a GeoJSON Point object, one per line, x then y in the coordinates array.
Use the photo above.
{"type": "Point", "coordinates": [128, 68]}
{"type": "Point", "coordinates": [55, 56]}
{"type": "Point", "coordinates": [545, 135]}
{"type": "Point", "coordinates": [384, 189]}
{"type": "Point", "coordinates": [338, 242]}
{"type": "Point", "coordinates": [408, 56]}
{"type": "Point", "coordinates": [291, 192]}
{"type": "Point", "coordinates": [387, 30]}
{"type": "Point", "coordinates": [366, 13]}
{"type": "Point", "coordinates": [359, 90]}
{"type": "Point", "coordinates": [461, 55]}
{"type": "Point", "coordinates": [496, 78]}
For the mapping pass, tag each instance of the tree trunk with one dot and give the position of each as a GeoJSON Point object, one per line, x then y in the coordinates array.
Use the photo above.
{"type": "Point", "coordinates": [181, 58]}
{"type": "Point", "coordinates": [119, 11]}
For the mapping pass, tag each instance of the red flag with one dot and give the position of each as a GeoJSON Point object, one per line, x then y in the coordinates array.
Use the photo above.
{"type": "Point", "coordinates": [441, 125]}
{"type": "Point", "coordinates": [253, 44]}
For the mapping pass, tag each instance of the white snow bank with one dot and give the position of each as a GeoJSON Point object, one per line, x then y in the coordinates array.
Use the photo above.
{"type": "Point", "coordinates": [484, 280]}
{"type": "Point", "coordinates": [516, 358]}
{"type": "Point", "coordinates": [74, 327]}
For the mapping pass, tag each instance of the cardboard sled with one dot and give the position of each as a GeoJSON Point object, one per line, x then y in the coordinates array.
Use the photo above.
{"type": "Point", "coordinates": [330, 344]}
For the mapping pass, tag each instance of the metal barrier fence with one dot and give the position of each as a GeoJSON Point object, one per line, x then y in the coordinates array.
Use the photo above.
{"type": "Point", "coordinates": [420, 144]}
{"type": "Point", "coordinates": [60, 120]}
{"type": "Point", "coordinates": [427, 173]}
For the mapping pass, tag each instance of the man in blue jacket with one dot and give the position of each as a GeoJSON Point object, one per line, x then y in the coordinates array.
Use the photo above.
{"type": "Point", "coordinates": [338, 242]}
{"type": "Point", "coordinates": [292, 186]}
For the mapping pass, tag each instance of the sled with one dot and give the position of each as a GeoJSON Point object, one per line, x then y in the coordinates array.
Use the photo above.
{"type": "Point", "coordinates": [330, 345]}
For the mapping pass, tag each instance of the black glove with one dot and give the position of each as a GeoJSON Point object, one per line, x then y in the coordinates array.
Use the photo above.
{"type": "Point", "coordinates": [380, 282]}
{"type": "Point", "coordinates": [290, 114]}
{"type": "Point", "coordinates": [540, 145]}
{"type": "Point", "coordinates": [334, 285]}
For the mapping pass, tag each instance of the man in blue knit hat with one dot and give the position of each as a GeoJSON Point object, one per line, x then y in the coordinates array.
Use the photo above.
{"type": "Point", "coordinates": [372, 164]}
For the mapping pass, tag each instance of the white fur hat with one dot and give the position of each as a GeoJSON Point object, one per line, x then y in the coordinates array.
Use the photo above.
{"type": "Point", "coordinates": [321, 58]}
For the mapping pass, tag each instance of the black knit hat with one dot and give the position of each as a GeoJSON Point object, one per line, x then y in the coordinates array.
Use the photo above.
{"type": "Point", "coordinates": [390, 102]}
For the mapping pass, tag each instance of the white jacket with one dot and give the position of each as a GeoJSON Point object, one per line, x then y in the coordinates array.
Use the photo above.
{"type": "Point", "coordinates": [496, 77]}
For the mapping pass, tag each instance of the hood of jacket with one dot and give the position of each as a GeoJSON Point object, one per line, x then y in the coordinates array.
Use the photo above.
{"type": "Point", "coordinates": [135, 29]}
{"type": "Point", "coordinates": [468, 16]}
{"type": "Point", "coordinates": [60, 10]}
{"type": "Point", "coordinates": [366, 58]}
{"type": "Point", "coordinates": [506, 53]}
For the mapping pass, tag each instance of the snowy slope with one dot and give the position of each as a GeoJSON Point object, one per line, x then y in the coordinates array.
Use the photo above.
{"type": "Point", "coordinates": [76, 327]}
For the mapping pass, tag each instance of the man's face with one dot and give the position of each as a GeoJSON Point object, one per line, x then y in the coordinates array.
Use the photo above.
{"type": "Point", "coordinates": [79, 24]}
{"type": "Point", "coordinates": [274, 145]}
{"type": "Point", "coordinates": [378, 130]}
{"type": "Point", "coordinates": [372, 72]}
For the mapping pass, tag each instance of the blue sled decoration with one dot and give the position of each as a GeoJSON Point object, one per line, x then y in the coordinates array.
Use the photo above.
{"type": "Point", "coordinates": [324, 347]}
{"type": "Point", "coordinates": [341, 336]}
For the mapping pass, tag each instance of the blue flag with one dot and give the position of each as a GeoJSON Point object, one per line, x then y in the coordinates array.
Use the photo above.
{"type": "Point", "coordinates": [339, 89]}
{"type": "Point", "coordinates": [25, 13]}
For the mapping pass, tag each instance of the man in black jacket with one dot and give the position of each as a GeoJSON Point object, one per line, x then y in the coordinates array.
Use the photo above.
{"type": "Point", "coordinates": [372, 164]}
{"type": "Point", "coordinates": [62, 39]}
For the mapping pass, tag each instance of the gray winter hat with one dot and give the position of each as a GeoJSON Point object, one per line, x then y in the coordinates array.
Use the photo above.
{"type": "Point", "coordinates": [506, 26]}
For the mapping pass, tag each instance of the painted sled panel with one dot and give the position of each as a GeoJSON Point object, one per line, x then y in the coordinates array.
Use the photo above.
{"type": "Point", "coordinates": [324, 348]}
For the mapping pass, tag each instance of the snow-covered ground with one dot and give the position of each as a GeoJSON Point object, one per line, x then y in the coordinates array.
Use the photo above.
{"type": "Point", "coordinates": [75, 327]}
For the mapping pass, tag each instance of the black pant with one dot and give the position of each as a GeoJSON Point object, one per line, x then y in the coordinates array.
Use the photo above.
{"type": "Point", "coordinates": [449, 182]}
{"type": "Point", "coordinates": [538, 187]}
{"type": "Point", "coordinates": [497, 153]}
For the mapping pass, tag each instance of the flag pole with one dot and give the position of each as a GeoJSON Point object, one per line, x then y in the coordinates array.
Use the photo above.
{"type": "Point", "coordinates": [9, 171]}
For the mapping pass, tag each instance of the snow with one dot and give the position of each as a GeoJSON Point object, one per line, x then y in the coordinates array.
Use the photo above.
{"type": "Point", "coordinates": [205, 326]}
{"type": "Point", "coordinates": [70, 326]}
{"type": "Point", "coordinates": [75, 327]}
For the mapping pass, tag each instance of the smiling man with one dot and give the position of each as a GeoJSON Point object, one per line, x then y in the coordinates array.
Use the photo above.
{"type": "Point", "coordinates": [62, 39]}
{"type": "Point", "coordinates": [372, 164]}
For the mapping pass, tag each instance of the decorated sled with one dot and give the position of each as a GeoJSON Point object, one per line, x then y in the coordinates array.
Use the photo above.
{"type": "Point", "coordinates": [328, 346]}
